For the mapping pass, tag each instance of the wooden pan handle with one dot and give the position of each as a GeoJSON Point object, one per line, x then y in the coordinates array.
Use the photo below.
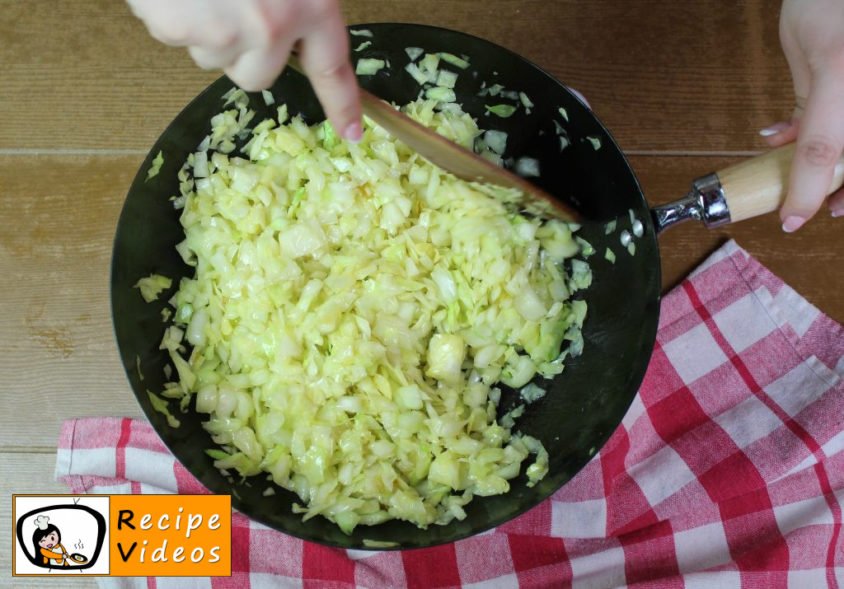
{"type": "Point", "coordinates": [751, 188]}
{"type": "Point", "coordinates": [759, 185]}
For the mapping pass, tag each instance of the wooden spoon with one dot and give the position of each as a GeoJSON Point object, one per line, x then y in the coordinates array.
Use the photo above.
{"type": "Point", "coordinates": [454, 158]}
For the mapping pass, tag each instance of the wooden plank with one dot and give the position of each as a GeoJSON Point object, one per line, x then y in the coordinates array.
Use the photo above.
{"type": "Point", "coordinates": [56, 343]}
{"type": "Point", "coordinates": [57, 350]}
{"type": "Point", "coordinates": [28, 473]}
{"type": "Point", "coordinates": [701, 75]}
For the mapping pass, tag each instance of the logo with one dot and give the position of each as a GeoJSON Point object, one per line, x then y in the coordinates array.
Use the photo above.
{"type": "Point", "coordinates": [122, 535]}
{"type": "Point", "coordinates": [60, 535]}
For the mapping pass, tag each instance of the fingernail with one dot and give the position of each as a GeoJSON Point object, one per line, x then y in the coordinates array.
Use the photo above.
{"type": "Point", "coordinates": [792, 223]}
{"type": "Point", "coordinates": [838, 213]}
{"type": "Point", "coordinates": [353, 132]}
{"type": "Point", "coordinates": [774, 129]}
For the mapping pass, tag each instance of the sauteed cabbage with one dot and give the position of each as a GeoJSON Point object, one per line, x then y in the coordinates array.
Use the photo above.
{"type": "Point", "coordinates": [354, 311]}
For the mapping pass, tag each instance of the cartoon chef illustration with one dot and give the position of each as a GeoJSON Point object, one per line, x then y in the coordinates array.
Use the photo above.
{"type": "Point", "coordinates": [47, 542]}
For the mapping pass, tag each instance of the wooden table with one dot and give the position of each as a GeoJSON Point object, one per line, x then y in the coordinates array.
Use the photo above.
{"type": "Point", "coordinates": [684, 87]}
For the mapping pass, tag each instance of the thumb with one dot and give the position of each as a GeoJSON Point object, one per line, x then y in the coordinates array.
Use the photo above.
{"type": "Point", "coordinates": [819, 146]}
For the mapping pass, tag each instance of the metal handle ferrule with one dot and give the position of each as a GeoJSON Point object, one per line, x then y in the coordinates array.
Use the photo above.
{"type": "Point", "coordinates": [705, 202]}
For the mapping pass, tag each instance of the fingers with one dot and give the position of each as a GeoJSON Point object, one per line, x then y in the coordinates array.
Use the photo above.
{"type": "Point", "coordinates": [251, 41]}
{"type": "Point", "coordinates": [255, 54]}
{"type": "Point", "coordinates": [780, 133]}
{"type": "Point", "coordinates": [836, 204]}
{"type": "Point", "coordinates": [784, 132]}
{"type": "Point", "coordinates": [325, 57]}
{"type": "Point", "coordinates": [798, 64]}
{"type": "Point", "coordinates": [172, 23]}
{"type": "Point", "coordinates": [820, 143]}
{"type": "Point", "coordinates": [257, 69]}
{"type": "Point", "coordinates": [212, 59]}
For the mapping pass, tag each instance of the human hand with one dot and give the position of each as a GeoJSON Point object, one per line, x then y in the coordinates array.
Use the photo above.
{"type": "Point", "coordinates": [251, 41]}
{"type": "Point", "coordinates": [812, 36]}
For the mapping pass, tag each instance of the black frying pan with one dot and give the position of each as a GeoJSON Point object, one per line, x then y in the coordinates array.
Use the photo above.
{"type": "Point", "coordinates": [584, 405]}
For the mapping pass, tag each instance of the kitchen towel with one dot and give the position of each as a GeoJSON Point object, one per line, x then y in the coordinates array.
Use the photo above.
{"type": "Point", "coordinates": [727, 471]}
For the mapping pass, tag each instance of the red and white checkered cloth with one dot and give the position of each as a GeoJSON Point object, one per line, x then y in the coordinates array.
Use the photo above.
{"type": "Point", "coordinates": [728, 470]}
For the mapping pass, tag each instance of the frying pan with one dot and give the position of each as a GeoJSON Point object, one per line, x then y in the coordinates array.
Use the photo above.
{"type": "Point", "coordinates": [583, 405]}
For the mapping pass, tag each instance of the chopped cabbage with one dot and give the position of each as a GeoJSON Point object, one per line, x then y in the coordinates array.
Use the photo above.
{"type": "Point", "coordinates": [417, 74]}
{"type": "Point", "coordinates": [155, 166]}
{"type": "Point", "coordinates": [586, 249]}
{"type": "Point", "coordinates": [446, 79]}
{"type": "Point", "coordinates": [527, 167]}
{"type": "Point", "coordinates": [460, 62]}
{"type": "Point", "coordinates": [353, 311]}
{"type": "Point", "coordinates": [532, 393]}
{"type": "Point", "coordinates": [160, 406]}
{"type": "Point", "coordinates": [414, 53]}
{"type": "Point", "coordinates": [501, 110]}
{"type": "Point", "coordinates": [493, 90]}
{"type": "Point", "coordinates": [440, 94]}
{"type": "Point", "coordinates": [152, 286]}
{"type": "Point", "coordinates": [564, 142]}
{"type": "Point", "coordinates": [638, 228]}
{"type": "Point", "coordinates": [369, 67]}
{"type": "Point", "coordinates": [526, 101]}
{"type": "Point", "coordinates": [496, 141]}
{"type": "Point", "coordinates": [430, 63]}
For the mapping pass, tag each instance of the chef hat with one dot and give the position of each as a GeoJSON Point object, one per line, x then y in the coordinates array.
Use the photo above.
{"type": "Point", "coordinates": [42, 521]}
